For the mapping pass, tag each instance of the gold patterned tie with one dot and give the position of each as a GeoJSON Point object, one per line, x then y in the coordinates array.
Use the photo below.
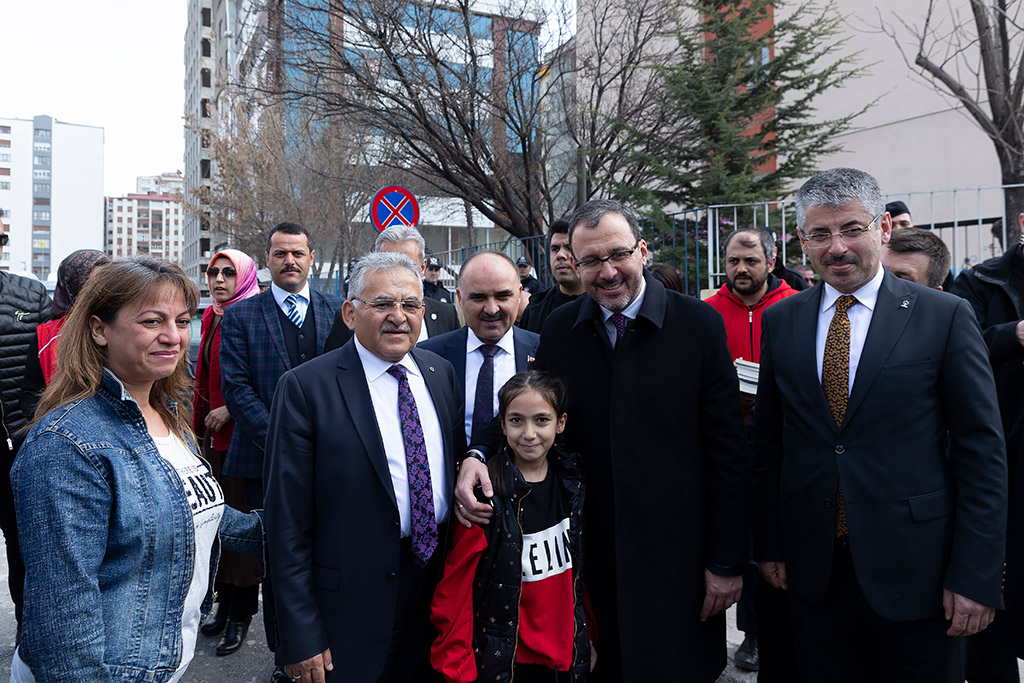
{"type": "Point", "coordinates": [835, 381]}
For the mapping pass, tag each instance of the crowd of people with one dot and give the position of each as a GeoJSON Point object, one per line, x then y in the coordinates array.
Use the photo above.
{"type": "Point", "coordinates": [516, 483]}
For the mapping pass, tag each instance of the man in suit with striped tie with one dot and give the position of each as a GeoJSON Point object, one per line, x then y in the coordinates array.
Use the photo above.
{"type": "Point", "coordinates": [261, 339]}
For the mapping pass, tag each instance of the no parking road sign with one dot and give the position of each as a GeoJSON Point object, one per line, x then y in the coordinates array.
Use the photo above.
{"type": "Point", "coordinates": [394, 205]}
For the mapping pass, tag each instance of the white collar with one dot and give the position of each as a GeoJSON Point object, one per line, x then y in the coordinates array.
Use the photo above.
{"type": "Point", "coordinates": [867, 294]}
{"type": "Point", "coordinates": [633, 308]}
{"type": "Point", "coordinates": [374, 367]}
{"type": "Point", "coordinates": [281, 294]}
{"type": "Point", "coordinates": [506, 343]}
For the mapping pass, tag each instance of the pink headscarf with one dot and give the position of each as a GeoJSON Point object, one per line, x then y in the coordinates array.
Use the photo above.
{"type": "Point", "coordinates": [246, 284]}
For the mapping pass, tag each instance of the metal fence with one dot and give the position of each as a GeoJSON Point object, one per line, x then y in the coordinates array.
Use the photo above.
{"type": "Point", "coordinates": [690, 239]}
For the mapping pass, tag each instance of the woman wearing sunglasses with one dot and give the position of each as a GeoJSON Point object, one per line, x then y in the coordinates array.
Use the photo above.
{"type": "Point", "coordinates": [231, 276]}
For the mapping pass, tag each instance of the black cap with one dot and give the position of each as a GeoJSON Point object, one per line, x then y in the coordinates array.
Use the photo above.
{"type": "Point", "coordinates": [522, 261]}
{"type": "Point", "coordinates": [896, 208]}
{"type": "Point", "coordinates": [433, 262]}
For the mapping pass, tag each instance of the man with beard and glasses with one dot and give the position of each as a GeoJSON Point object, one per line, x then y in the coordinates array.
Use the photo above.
{"type": "Point", "coordinates": [490, 349]}
{"type": "Point", "coordinates": [749, 289]}
{"type": "Point", "coordinates": [655, 416]}
{"type": "Point", "coordinates": [262, 338]}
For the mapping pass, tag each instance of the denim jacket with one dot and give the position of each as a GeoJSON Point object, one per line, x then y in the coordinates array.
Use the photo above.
{"type": "Point", "coordinates": [108, 541]}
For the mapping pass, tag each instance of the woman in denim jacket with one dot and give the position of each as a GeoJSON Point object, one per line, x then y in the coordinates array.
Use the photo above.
{"type": "Point", "coordinates": [122, 523]}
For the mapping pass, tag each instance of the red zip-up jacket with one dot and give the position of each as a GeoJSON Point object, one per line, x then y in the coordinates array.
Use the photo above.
{"type": "Point", "coordinates": [742, 322]}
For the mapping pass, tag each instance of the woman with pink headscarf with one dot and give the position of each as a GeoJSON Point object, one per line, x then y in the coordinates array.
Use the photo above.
{"type": "Point", "coordinates": [231, 276]}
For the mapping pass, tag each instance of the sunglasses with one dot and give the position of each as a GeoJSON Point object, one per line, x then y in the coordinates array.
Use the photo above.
{"type": "Point", "coordinates": [4, 239]}
{"type": "Point", "coordinates": [214, 272]}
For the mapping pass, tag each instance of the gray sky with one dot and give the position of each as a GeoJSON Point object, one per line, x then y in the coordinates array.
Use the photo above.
{"type": "Point", "coordinates": [115, 64]}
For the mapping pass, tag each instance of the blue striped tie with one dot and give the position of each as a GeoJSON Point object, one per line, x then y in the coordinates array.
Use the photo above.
{"type": "Point", "coordinates": [293, 309]}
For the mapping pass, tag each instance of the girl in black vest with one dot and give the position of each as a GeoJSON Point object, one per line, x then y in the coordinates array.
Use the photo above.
{"type": "Point", "coordinates": [521, 575]}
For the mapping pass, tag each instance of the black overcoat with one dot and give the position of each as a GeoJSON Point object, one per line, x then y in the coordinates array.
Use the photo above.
{"type": "Point", "coordinates": [657, 421]}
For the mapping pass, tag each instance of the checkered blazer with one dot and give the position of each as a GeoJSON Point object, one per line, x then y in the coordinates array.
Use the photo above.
{"type": "Point", "coordinates": [253, 356]}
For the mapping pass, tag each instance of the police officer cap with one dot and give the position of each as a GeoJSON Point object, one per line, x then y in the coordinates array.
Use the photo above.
{"type": "Point", "coordinates": [433, 262]}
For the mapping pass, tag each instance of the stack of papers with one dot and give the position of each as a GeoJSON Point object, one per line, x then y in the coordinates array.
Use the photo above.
{"type": "Point", "coordinates": [747, 373]}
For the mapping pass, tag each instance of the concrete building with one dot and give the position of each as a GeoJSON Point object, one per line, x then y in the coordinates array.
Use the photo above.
{"type": "Point", "coordinates": [149, 224]}
{"type": "Point", "coordinates": [51, 188]}
{"type": "Point", "coordinates": [200, 63]}
{"type": "Point", "coordinates": [171, 182]}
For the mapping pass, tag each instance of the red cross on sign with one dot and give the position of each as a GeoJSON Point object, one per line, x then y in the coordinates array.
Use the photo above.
{"type": "Point", "coordinates": [394, 205]}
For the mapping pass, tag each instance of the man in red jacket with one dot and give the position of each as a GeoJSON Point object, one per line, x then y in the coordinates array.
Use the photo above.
{"type": "Point", "coordinates": [749, 289]}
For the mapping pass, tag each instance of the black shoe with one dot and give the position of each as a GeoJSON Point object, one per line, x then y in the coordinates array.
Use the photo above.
{"type": "Point", "coordinates": [214, 623]}
{"type": "Point", "coordinates": [745, 656]}
{"type": "Point", "coordinates": [234, 636]}
{"type": "Point", "coordinates": [279, 676]}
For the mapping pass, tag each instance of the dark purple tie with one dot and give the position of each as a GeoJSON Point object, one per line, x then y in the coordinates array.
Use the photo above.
{"type": "Point", "coordinates": [483, 405]}
{"type": "Point", "coordinates": [421, 495]}
{"type": "Point", "coordinates": [619, 321]}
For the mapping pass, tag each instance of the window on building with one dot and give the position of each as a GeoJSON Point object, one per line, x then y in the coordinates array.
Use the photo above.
{"type": "Point", "coordinates": [42, 132]}
{"type": "Point", "coordinates": [41, 215]}
{"type": "Point", "coordinates": [207, 17]}
{"type": "Point", "coordinates": [41, 201]}
{"type": "Point", "coordinates": [41, 188]}
{"type": "Point", "coordinates": [5, 157]}
{"type": "Point", "coordinates": [205, 74]}
{"type": "Point", "coordinates": [206, 47]}
{"type": "Point", "coordinates": [204, 168]}
{"type": "Point", "coordinates": [40, 174]}
{"type": "Point", "coordinates": [5, 186]}
{"type": "Point", "coordinates": [204, 109]}
{"type": "Point", "coordinates": [41, 228]}
{"type": "Point", "coordinates": [41, 160]}
{"type": "Point", "coordinates": [5, 130]}
{"type": "Point", "coordinates": [5, 143]}
{"type": "Point", "coordinates": [41, 146]}
{"type": "Point", "coordinates": [204, 139]}
{"type": "Point", "coordinates": [5, 171]}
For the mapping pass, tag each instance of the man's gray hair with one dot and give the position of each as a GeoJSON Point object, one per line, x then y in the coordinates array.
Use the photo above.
{"type": "Point", "coordinates": [378, 262]}
{"type": "Point", "coordinates": [401, 233]}
{"type": "Point", "coordinates": [591, 213]}
{"type": "Point", "coordinates": [834, 188]}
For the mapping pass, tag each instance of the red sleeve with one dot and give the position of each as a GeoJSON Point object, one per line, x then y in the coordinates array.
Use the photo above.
{"type": "Point", "coordinates": [451, 611]}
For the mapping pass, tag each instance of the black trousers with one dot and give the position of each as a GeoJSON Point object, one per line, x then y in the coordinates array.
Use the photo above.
{"type": "Point", "coordinates": [990, 654]}
{"type": "Point", "coordinates": [776, 650]}
{"type": "Point", "coordinates": [9, 525]}
{"type": "Point", "coordinates": [254, 499]}
{"type": "Point", "coordinates": [240, 602]}
{"type": "Point", "coordinates": [412, 634]}
{"type": "Point", "coordinates": [840, 639]}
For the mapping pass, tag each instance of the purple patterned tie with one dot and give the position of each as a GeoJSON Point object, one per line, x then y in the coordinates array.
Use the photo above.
{"type": "Point", "coordinates": [483, 404]}
{"type": "Point", "coordinates": [619, 321]}
{"type": "Point", "coordinates": [421, 495]}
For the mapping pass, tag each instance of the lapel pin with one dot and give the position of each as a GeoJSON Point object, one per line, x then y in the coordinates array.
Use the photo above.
{"type": "Point", "coordinates": [433, 316]}
{"type": "Point", "coordinates": [431, 368]}
{"type": "Point", "coordinates": [905, 303]}
{"type": "Point", "coordinates": [530, 359]}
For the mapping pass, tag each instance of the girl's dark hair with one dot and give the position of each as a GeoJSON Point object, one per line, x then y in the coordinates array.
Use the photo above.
{"type": "Point", "coordinates": [550, 386]}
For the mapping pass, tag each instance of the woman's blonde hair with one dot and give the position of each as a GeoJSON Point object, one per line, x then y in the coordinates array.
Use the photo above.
{"type": "Point", "coordinates": [80, 361]}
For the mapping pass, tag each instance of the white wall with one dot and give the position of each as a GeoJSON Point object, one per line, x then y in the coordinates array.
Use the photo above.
{"type": "Point", "coordinates": [77, 204]}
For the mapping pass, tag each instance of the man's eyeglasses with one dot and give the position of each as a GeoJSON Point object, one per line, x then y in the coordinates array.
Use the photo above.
{"type": "Point", "coordinates": [227, 270]}
{"type": "Point", "coordinates": [4, 239]}
{"type": "Point", "coordinates": [386, 305]}
{"type": "Point", "coordinates": [820, 239]}
{"type": "Point", "coordinates": [615, 258]}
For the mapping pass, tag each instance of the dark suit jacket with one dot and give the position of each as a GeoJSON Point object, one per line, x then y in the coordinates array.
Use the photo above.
{"type": "Point", "coordinates": [253, 356]}
{"type": "Point", "coordinates": [331, 518]}
{"type": "Point", "coordinates": [452, 347]}
{"type": "Point", "coordinates": [922, 515]}
{"type": "Point", "coordinates": [438, 316]}
{"type": "Point", "coordinates": [657, 421]}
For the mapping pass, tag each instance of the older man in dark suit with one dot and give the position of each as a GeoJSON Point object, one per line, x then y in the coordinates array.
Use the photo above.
{"type": "Point", "coordinates": [359, 473]}
{"type": "Point", "coordinates": [656, 409]}
{"type": "Point", "coordinates": [438, 317]}
{"type": "Point", "coordinates": [490, 349]}
{"type": "Point", "coordinates": [261, 339]}
{"type": "Point", "coordinates": [882, 473]}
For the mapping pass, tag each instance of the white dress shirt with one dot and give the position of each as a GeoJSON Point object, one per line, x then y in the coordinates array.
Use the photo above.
{"type": "Point", "coordinates": [504, 368]}
{"type": "Point", "coordinates": [384, 395]}
{"type": "Point", "coordinates": [629, 311]}
{"type": "Point", "coordinates": [281, 294]}
{"type": "Point", "coordinates": [860, 319]}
